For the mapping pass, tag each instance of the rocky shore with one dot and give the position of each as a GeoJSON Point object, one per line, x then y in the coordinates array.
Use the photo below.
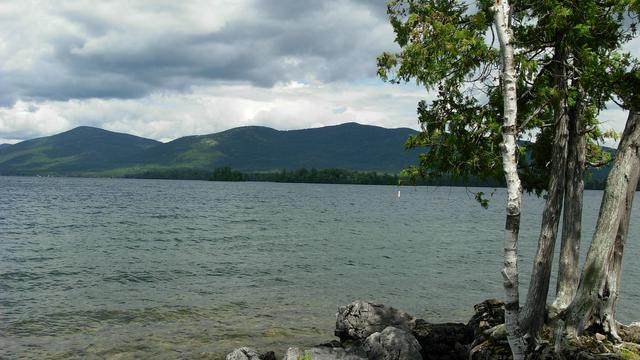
{"type": "Point", "coordinates": [374, 331]}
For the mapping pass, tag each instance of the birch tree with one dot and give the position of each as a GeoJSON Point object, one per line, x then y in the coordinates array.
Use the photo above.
{"type": "Point", "coordinates": [560, 56]}
{"type": "Point", "coordinates": [510, 273]}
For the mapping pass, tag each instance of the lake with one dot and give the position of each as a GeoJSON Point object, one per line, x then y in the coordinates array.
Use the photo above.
{"type": "Point", "coordinates": [119, 268]}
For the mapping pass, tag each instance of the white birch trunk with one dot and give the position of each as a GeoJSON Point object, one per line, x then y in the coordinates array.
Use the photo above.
{"type": "Point", "coordinates": [597, 293]}
{"type": "Point", "coordinates": [514, 188]}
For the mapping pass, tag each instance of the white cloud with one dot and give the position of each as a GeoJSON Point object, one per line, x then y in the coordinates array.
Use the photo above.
{"type": "Point", "coordinates": [27, 120]}
{"type": "Point", "coordinates": [170, 115]}
{"type": "Point", "coordinates": [164, 69]}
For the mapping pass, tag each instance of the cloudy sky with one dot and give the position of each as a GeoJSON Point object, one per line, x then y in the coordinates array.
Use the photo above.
{"type": "Point", "coordinates": [165, 69]}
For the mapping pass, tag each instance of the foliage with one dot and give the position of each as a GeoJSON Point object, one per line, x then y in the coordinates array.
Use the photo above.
{"type": "Point", "coordinates": [445, 46]}
{"type": "Point", "coordinates": [226, 174]}
{"type": "Point", "coordinates": [326, 176]}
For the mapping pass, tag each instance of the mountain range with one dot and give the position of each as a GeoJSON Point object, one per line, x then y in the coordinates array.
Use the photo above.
{"type": "Point", "coordinates": [89, 151]}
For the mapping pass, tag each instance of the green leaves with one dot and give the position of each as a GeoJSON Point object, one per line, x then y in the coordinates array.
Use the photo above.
{"type": "Point", "coordinates": [564, 49]}
{"type": "Point", "coordinates": [441, 43]}
{"type": "Point", "coordinates": [479, 196]}
{"type": "Point", "coordinates": [462, 138]}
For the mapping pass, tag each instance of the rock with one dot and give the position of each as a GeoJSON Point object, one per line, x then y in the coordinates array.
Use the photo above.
{"type": "Point", "coordinates": [487, 314]}
{"type": "Point", "coordinates": [336, 353]}
{"type": "Point", "coordinates": [488, 350]}
{"type": "Point", "coordinates": [243, 353]}
{"type": "Point", "coordinates": [293, 353]}
{"type": "Point", "coordinates": [326, 353]}
{"type": "Point", "coordinates": [269, 355]}
{"type": "Point", "coordinates": [585, 355]}
{"type": "Point", "coordinates": [443, 341]}
{"type": "Point", "coordinates": [358, 320]}
{"type": "Point", "coordinates": [331, 344]}
{"type": "Point", "coordinates": [630, 333]}
{"type": "Point", "coordinates": [392, 344]}
{"type": "Point", "coordinates": [498, 332]}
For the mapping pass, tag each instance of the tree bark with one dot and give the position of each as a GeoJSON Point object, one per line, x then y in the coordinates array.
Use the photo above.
{"type": "Point", "coordinates": [614, 272]}
{"type": "Point", "coordinates": [568, 270]}
{"type": "Point", "coordinates": [514, 187]}
{"type": "Point", "coordinates": [597, 294]}
{"type": "Point", "coordinates": [534, 312]}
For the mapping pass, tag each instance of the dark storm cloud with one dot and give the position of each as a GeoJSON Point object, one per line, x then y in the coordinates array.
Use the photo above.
{"type": "Point", "coordinates": [285, 40]}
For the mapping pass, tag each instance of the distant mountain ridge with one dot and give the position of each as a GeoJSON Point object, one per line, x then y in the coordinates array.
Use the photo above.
{"type": "Point", "coordinates": [88, 151]}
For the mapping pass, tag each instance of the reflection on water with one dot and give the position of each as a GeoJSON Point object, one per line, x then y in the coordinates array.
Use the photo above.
{"type": "Point", "coordinates": [114, 268]}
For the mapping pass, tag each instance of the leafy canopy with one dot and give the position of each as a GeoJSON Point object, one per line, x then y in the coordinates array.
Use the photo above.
{"type": "Point", "coordinates": [447, 46]}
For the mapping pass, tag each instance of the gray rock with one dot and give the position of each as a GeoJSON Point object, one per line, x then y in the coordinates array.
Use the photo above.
{"type": "Point", "coordinates": [330, 353]}
{"type": "Point", "coordinates": [630, 333]}
{"type": "Point", "coordinates": [243, 353]}
{"type": "Point", "coordinates": [293, 353]}
{"type": "Point", "coordinates": [358, 320]}
{"type": "Point", "coordinates": [392, 344]}
{"type": "Point", "coordinates": [487, 350]}
{"type": "Point", "coordinates": [487, 314]}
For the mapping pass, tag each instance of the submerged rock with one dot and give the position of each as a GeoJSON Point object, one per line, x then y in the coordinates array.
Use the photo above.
{"type": "Point", "coordinates": [358, 320]}
{"type": "Point", "coordinates": [392, 344]}
{"type": "Point", "coordinates": [243, 353]}
{"type": "Point", "coordinates": [293, 353]}
{"type": "Point", "coordinates": [326, 353]}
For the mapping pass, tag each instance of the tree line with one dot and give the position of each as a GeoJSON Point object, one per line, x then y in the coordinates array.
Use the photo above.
{"type": "Point", "coordinates": [302, 175]}
{"type": "Point", "coordinates": [333, 176]}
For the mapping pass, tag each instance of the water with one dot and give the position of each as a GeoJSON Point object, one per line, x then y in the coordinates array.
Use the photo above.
{"type": "Point", "coordinates": [115, 268]}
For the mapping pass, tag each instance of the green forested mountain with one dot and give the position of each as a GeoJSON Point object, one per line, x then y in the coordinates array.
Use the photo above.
{"type": "Point", "coordinates": [83, 149]}
{"type": "Point", "coordinates": [97, 152]}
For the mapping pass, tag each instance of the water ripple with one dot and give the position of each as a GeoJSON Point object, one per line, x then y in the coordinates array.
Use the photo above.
{"type": "Point", "coordinates": [99, 268]}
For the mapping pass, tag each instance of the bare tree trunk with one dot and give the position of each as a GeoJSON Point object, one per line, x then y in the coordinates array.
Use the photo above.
{"type": "Point", "coordinates": [615, 267]}
{"type": "Point", "coordinates": [534, 313]}
{"type": "Point", "coordinates": [514, 188]}
{"type": "Point", "coordinates": [600, 280]}
{"type": "Point", "coordinates": [568, 271]}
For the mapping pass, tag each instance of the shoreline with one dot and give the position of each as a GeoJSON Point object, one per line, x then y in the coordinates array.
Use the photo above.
{"type": "Point", "coordinates": [374, 331]}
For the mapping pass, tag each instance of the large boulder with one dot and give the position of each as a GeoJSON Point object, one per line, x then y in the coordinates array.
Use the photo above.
{"type": "Point", "coordinates": [358, 320]}
{"type": "Point", "coordinates": [448, 341]}
{"type": "Point", "coordinates": [392, 344]}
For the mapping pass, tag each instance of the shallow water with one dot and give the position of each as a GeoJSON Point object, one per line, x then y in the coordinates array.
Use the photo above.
{"type": "Point", "coordinates": [117, 268]}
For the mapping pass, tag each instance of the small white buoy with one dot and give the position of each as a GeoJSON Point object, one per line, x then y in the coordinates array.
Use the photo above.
{"type": "Point", "coordinates": [398, 194]}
